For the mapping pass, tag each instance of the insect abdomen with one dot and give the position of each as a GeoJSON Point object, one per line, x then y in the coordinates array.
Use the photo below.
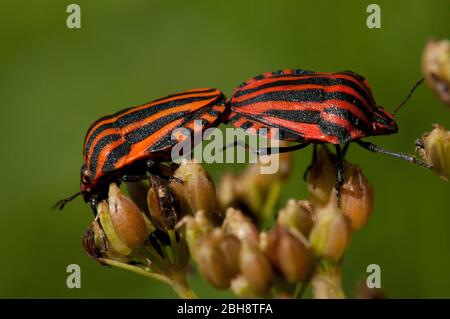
{"type": "Point", "coordinates": [308, 106]}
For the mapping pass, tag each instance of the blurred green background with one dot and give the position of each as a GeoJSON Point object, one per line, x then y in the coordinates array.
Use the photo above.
{"type": "Point", "coordinates": [55, 81]}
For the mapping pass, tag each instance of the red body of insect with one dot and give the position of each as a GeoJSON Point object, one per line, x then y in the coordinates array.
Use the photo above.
{"type": "Point", "coordinates": [310, 107]}
{"type": "Point", "coordinates": [125, 142]}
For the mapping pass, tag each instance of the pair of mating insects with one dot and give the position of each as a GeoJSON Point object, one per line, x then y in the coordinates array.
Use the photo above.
{"type": "Point", "coordinates": [306, 107]}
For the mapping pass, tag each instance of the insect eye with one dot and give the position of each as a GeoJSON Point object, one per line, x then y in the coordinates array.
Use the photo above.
{"type": "Point", "coordinates": [84, 175]}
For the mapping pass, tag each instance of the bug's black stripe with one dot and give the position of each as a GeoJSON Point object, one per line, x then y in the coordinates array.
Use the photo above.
{"type": "Point", "coordinates": [350, 117]}
{"type": "Point", "coordinates": [233, 118]}
{"type": "Point", "coordinates": [277, 74]}
{"type": "Point", "coordinates": [290, 136]}
{"type": "Point", "coordinates": [214, 112]}
{"type": "Point", "coordinates": [333, 129]}
{"type": "Point", "coordinates": [139, 115]}
{"type": "Point", "coordinates": [145, 131]}
{"type": "Point", "coordinates": [305, 116]}
{"type": "Point", "coordinates": [308, 95]}
{"type": "Point", "coordinates": [323, 81]}
{"type": "Point", "coordinates": [98, 148]}
{"type": "Point", "coordinates": [163, 143]}
{"type": "Point", "coordinates": [377, 118]}
{"type": "Point", "coordinates": [168, 142]}
{"type": "Point", "coordinates": [246, 125]}
{"type": "Point", "coordinates": [357, 76]}
{"type": "Point", "coordinates": [284, 132]}
{"type": "Point", "coordinates": [117, 153]}
{"type": "Point", "coordinates": [136, 136]}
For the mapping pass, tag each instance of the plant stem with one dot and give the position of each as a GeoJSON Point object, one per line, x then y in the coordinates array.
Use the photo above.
{"type": "Point", "coordinates": [269, 204]}
{"type": "Point", "coordinates": [300, 292]}
{"type": "Point", "coordinates": [177, 282]}
{"type": "Point", "coordinates": [174, 246]}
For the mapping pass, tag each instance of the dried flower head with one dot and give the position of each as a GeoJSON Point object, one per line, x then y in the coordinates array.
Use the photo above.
{"type": "Point", "coordinates": [163, 205]}
{"type": "Point", "coordinates": [290, 252]}
{"type": "Point", "coordinates": [241, 226]}
{"type": "Point", "coordinates": [356, 197]}
{"type": "Point", "coordinates": [122, 221]}
{"type": "Point", "coordinates": [322, 177]}
{"type": "Point", "coordinates": [434, 148]}
{"type": "Point", "coordinates": [297, 215]}
{"type": "Point", "coordinates": [218, 258]}
{"type": "Point", "coordinates": [196, 191]}
{"type": "Point", "coordinates": [331, 233]}
{"type": "Point", "coordinates": [256, 269]}
{"type": "Point", "coordinates": [436, 68]}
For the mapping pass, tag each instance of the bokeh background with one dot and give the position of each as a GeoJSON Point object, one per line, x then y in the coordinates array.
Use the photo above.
{"type": "Point", "coordinates": [55, 81]}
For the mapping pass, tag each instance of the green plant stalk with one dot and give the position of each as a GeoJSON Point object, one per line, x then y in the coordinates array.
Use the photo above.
{"type": "Point", "coordinates": [270, 202]}
{"type": "Point", "coordinates": [177, 282]}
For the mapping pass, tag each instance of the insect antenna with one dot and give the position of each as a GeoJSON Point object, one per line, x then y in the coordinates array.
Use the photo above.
{"type": "Point", "coordinates": [411, 91]}
{"type": "Point", "coordinates": [61, 203]}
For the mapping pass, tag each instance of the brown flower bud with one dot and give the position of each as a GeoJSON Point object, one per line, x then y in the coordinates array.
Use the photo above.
{"type": "Point", "coordinates": [94, 241]}
{"type": "Point", "coordinates": [212, 260]}
{"type": "Point", "coordinates": [226, 192]}
{"type": "Point", "coordinates": [356, 197]}
{"type": "Point", "coordinates": [138, 193]}
{"type": "Point", "coordinates": [162, 204]}
{"type": "Point", "coordinates": [295, 257]}
{"type": "Point", "coordinates": [436, 68]}
{"type": "Point", "coordinates": [322, 177]}
{"type": "Point", "coordinates": [231, 248]}
{"type": "Point", "coordinates": [197, 191]}
{"type": "Point", "coordinates": [327, 284]}
{"type": "Point", "coordinates": [237, 224]}
{"type": "Point", "coordinates": [122, 221]}
{"type": "Point", "coordinates": [97, 245]}
{"type": "Point", "coordinates": [434, 148]}
{"type": "Point", "coordinates": [241, 287]}
{"type": "Point", "coordinates": [196, 227]}
{"type": "Point", "coordinates": [331, 233]}
{"type": "Point", "coordinates": [297, 215]}
{"type": "Point", "coordinates": [256, 269]}
{"type": "Point", "coordinates": [290, 252]}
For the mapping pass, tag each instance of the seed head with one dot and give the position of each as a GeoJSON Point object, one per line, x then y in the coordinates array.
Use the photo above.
{"type": "Point", "coordinates": [122, 221]}
{"type": "Point", "coordinates": [162, 204]}
{"type": "Point", "coordinates": [356, 197]}
{"type": "Point", "coordinates": [197, 191]}
{"type": "Point", "coordinates": [331, 233]}
{"type": "Point", "coordinates": [256, 269]}
{"type": "Point", "coordinates": [216, 260]}
{"type": "Point", "coordinates": [237, 224]}
{"type": "Point", "coordinates": [436, 68]}
{"type": "Point", "coordinates": [434, 148]}
{"type": "Point", "coordinates": [297, 215]}
{"type": "Point", "coordinates": [322, 177]}
{"type": "Point", "coordinates": [291, 253]}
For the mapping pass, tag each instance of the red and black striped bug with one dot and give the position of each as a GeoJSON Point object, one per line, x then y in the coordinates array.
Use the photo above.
{"type": "Point", "coordinates": [128, 144]}
{"type": "Point", "coordinates": [314, 108]}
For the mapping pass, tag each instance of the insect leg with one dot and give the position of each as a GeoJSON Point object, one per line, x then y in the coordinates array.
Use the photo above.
{"type": "Point", "coordinates": [339, 172]}
{"type": "Point", "coordinates": [133, 178]}
{"type": "Point", "coordinates": [406, 157]}
{"type": "Point", "coordinates": [279, 150]}
{"type": "Point", "coordinates": [61, 203]}
{"type": "Point", "coordinates": [165, 170]}
{"type": "Point", "coordinates": [238, 143]}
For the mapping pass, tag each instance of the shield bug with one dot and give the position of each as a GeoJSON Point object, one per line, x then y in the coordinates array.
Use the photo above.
{"type": "Point", "coordinates": [126, 145]}
{"type": "Point", "coordinates": [314, 108]}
